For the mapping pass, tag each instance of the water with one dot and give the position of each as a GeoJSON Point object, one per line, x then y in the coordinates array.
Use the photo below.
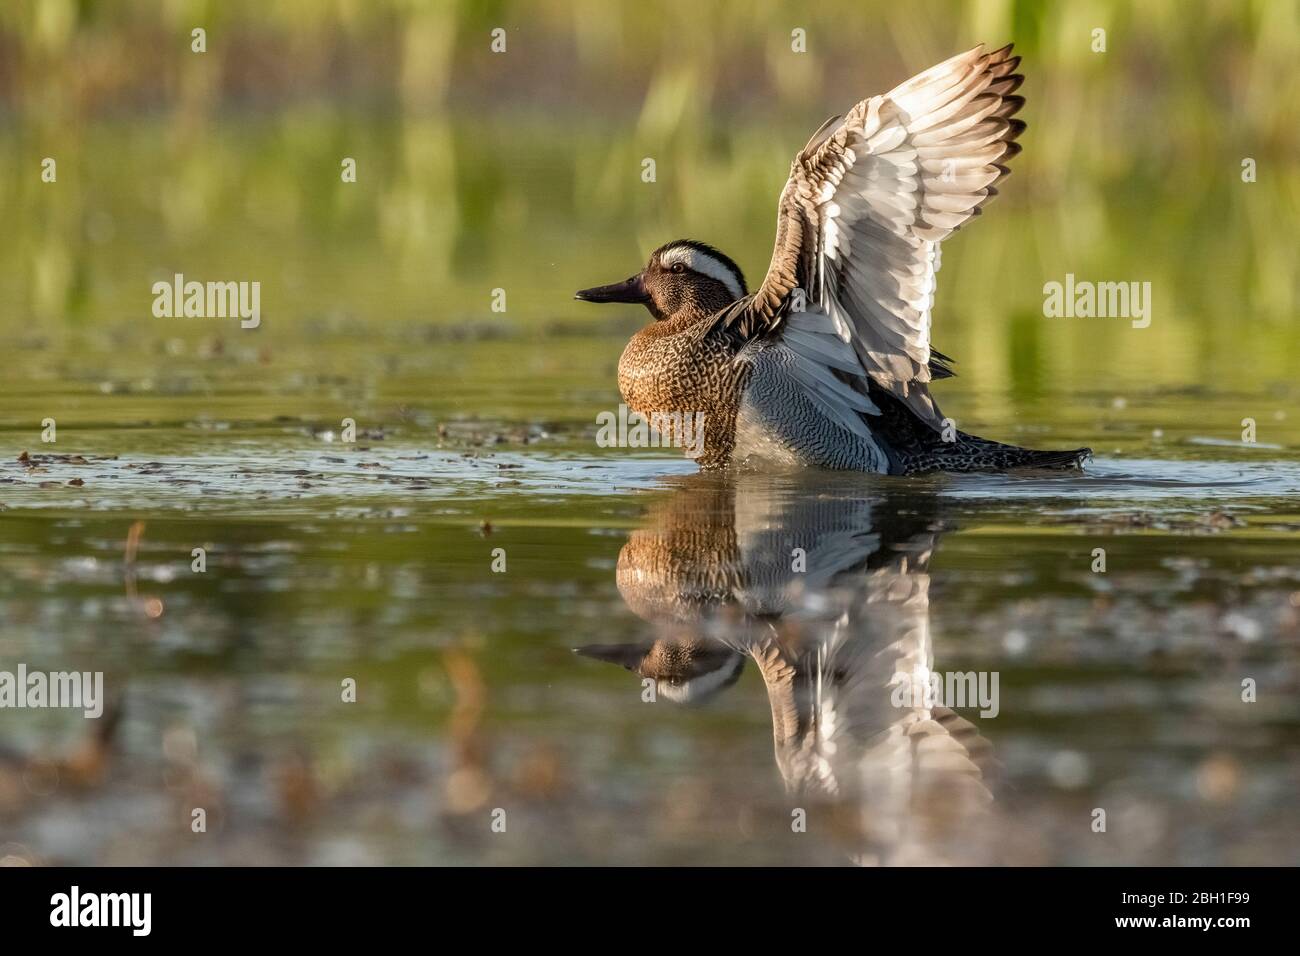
{"type": "Point", "coordinates": [373, 561]}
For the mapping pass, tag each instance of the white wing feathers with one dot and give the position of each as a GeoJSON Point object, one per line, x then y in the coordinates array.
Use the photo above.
{"type": "Point", "coordinates": [874, 197]}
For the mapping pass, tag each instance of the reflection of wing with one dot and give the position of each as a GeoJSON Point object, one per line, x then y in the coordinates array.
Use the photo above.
{"type": "Point", "coordinates": [792, 547]}
{"type": "Point", "coordinates": [838, 730]}
{"type": "Point", "coordinates": [833, 638]}
{"type": "Point", "coordinates": [861, 218]}
{"type": "Point", "coordinates": [872, 636]}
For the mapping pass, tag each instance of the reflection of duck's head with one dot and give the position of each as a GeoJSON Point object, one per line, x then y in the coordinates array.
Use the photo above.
{"type": "Point", "coordinates": [686, 669]}
{"type": "Point", "coordinates": [825, 585]}
{"type": "Point", "coordinates": [667, 578]}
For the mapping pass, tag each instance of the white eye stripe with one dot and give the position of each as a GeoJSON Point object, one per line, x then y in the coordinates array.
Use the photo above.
{"type": "Point", "coordinates": [700, 687]}
{"type": "Point", "coordinates": [703, 263]}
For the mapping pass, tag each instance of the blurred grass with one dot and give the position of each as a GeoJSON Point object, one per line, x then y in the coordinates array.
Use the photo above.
{"type": "Point", "coordinates": [522, 170]}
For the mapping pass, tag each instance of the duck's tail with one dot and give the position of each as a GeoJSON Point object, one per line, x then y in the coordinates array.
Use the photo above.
{"type": "Point", "coordinates": [972, 453]}
{"type": "Point", "coordinates": [914, 446]}
{"type": "Point", "coordinates": [1072, 460]}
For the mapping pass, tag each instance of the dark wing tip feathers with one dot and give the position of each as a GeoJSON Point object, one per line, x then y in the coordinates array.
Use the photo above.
{"type": "Point", "coordinates": [1007, 82]}
{"type": "Point", "coordinates": [1011, 105]}
{"type": "Point", "coordinates": [1002, 66]}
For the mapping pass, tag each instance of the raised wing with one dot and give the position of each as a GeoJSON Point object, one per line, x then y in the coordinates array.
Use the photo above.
{"type": "Point", "coordinates": [866, 206]}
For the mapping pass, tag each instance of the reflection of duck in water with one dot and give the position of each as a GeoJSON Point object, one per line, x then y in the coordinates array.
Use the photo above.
{"type": "Point", "coordinates": [828, 593]}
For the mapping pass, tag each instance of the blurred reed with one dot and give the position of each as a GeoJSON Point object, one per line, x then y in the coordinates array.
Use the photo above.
{"type": "Point", "coordinates": [522, 170]}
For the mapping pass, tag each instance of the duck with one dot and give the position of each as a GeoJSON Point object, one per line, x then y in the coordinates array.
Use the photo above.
{"type": "Point", "coordinates": [828, 363]}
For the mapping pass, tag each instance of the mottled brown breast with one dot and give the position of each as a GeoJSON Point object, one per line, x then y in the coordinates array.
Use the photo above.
{"type": "Point", "coordinates": [670, 367]}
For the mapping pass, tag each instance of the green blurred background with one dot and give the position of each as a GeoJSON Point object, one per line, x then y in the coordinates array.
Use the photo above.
{"type": "Point", "coordinates": [522, 170]}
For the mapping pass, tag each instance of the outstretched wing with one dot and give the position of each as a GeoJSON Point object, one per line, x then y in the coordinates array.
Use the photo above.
{"type": "Point", "coordinates": [867, 204]}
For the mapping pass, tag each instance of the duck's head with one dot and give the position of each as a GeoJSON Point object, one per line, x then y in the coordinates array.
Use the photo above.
{"type": "Point", "coordinates": [684, 276]}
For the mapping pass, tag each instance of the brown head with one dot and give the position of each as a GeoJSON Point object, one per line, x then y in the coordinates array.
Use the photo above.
{"type": "Point", "coordinates": [684, 276]}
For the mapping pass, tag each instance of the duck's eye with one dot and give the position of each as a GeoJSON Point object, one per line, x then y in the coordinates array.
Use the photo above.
{"type": "Point", "coordinates": [678, 267]}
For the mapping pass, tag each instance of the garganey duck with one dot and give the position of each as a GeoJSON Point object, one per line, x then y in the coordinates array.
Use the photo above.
{"type": "Point", "coordinates": [828, 364]}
